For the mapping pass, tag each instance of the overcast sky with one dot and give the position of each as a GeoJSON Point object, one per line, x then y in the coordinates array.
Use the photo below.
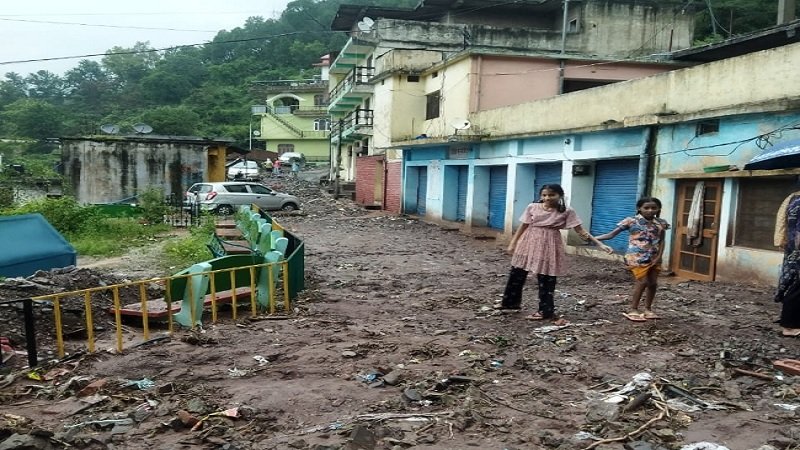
{"type": "Point", "coordinates": [36, 29]}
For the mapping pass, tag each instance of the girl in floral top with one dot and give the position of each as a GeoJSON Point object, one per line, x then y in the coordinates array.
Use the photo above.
{"type": "Point", "coordinates": [643, 257]}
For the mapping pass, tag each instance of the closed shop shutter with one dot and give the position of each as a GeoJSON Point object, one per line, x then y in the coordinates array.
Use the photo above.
{"type": "Point", "coordinates": [422, 190]}
{"type": "Point", "coordinates": [461, 208]}
{"type": "Point", "coordinates": [614, 199]}
{"type": "Point", "coordinates": [498, 177]}
{"type": "Point", "coordinates": [549, 173]}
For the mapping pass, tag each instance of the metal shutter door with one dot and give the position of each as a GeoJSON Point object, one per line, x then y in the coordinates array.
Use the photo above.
{"type": "Point", "coordinates": [422, 190]}
{"type": "Point", "coordinates": [615, 184]}
{"type": "Point", "coordinates": [497, 197]}
{"type": "Point", "coordinates": [549, 173]}
{"type": "Point", "coordinates": [461, 208]}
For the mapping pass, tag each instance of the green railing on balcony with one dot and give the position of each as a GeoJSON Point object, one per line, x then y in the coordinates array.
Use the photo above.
{"type": "Point", "coordinates": [359, 75]}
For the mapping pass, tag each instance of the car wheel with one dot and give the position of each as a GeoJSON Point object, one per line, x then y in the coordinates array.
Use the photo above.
{"type": "Point", "coordinates": [225, 210]}
{"type": "Point", "coordinates": [289, 207]}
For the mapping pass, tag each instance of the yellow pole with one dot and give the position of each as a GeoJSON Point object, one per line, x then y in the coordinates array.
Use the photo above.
{"type": "Point", "coordinates": [233, 292]}
{"type": "Point", "coordinates": [145, 321]}
{"type": "Point", "coordinates": [213, 297]}
{"type": "Point", "coordinates": [118, 318]}
{"type": "Point", "coordinates": [286, 302]}
{"type": "Point", "coordinates": [253, 311]}
{"type": "Point", "coordinates": [271, 282]}
{"type": "Point", "coordinates": [87, 301]}
{"type": "Point", "coordinates": [59, 330]}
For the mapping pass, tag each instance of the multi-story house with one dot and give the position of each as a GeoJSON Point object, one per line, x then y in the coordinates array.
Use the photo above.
{"type": "Point", "coordinates": [294, 116]}
{"type": "Point", "coordinates": [408, 79]}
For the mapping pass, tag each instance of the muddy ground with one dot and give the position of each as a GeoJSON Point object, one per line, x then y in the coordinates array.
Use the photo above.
{"type": "Point", "coordinates": [393, 345]}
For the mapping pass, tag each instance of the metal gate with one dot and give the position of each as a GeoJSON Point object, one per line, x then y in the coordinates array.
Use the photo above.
{"type": "Point", "coordinates": [422, 190]}
{"type": "Point", "coordinates": [498, 182]}
{"type": "Point", "coordinates": [461, 207]}
{"type": "Point", "coordinates": [615, 186]}
{"type": "Point", "coordinates": [549, 173]}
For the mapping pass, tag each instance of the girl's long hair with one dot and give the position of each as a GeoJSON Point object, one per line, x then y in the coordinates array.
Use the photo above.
{"type": "Point", "coordinates": [558, 190]}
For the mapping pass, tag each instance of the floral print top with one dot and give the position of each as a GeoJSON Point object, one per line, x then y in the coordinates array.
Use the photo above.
{"type": "Point", "coordinates": [644, 241]}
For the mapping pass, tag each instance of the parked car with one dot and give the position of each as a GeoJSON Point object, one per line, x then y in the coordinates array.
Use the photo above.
{"type": "Point", "coordinates": [223, 198]}
{"type": "Point", "coordinates": [286, 158]}
{"type": "Point", "coordinates": [244, 171]}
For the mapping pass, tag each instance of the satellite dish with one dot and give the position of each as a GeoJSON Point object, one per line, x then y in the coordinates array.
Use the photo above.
{"type": "Point", "coordinates": [109, 128]}
{"type": "Point", "coordinates": [460, 124]}
{"type": "Point", "coordinates": [365, 24]}
{"type": "Point", "coordinates": [256, 133]}
{"type": "Point", "coordinates": [142, 128]}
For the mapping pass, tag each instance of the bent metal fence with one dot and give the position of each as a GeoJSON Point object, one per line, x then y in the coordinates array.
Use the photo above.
{"type": "Point", "coordinates": [111, 299]}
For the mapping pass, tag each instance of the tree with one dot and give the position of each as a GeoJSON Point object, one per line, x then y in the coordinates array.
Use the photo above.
{"type": "Point", "coordinates": [130, 65]}
{"type": "Point", "coordinates": [33, 118]}
{"type": "Point", "coordinates": [733, 17]}
{"type": "Point", "coordinates": [174, 120]}
{"type": "Point", "coordinates": [45, 85]}
{"type": "Point", "coordinates": [12, 88]}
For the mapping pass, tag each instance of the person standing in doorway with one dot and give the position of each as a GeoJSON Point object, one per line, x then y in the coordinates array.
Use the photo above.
{"type": "Point", "coordinates": [537, 247]}
{"type": "Point", "coordinates": [787, 236]}
{"type": "Point", "coordinates": [643, 256]}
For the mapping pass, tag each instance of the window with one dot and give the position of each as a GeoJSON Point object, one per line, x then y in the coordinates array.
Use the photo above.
{"type": "Point", "coordinates": [413, 78]}
{"type": "Point", "coordinates": [435, 74]}
{"type": "Point", "coordinates": [283, 148]}
{"type": "Point", "coordinates": [707, 127]}
{"type": "Point", "coordinates": [432, 105]}
{"type": "Point", "coordinates": [236, 188]}
{"type": "Point", "coordinates": [322, 124]}
{"type": "Point", "coordinates": [258, 189]}
{"type": "Point", "coordinates": [759, 200]}
{"type": "Point", "coordinates": [319, 100]}
{"type": "Point", "coordinates": [573, 25]}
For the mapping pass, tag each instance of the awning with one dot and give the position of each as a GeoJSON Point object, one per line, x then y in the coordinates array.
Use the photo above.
{"type": "Point", "coordinates": [785, 155]}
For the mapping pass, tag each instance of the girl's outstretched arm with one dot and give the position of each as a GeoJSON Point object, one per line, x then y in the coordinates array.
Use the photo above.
{"type": "Point", "coordinates": [588, 237]}
{"type": "Point", "coordinates": [513, 244]}
{"type": "Point", "coordinates": [610, 235]}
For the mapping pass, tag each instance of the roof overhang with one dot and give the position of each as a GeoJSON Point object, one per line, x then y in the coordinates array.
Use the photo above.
{"type": "Point", "coordinates": [773, 37]}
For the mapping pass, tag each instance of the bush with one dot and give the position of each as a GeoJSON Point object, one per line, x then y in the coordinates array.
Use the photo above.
{"type": "Point", "coordinates": [192, 249]}
{"type": "Point", "coordinates": [64, 214]}
{"type": "Point", "coordinates": [153, 206]}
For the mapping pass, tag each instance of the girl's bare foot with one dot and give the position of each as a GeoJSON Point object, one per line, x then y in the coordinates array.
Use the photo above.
{"type": "Point", "coordinates": [650, 315]}
{"type": "Point", "coordinates": [791, 332]}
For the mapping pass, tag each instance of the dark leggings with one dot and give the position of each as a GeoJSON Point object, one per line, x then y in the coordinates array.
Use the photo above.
{"type": "Point", "coordinates": [512, 297]}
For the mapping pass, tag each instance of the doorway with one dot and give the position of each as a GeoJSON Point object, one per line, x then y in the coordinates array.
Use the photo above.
{"type": "Point", "coordinates": [697, 259]}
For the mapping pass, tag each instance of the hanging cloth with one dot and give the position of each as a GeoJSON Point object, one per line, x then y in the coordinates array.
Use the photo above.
{"type": "Point", "coordinates": [694, 230]}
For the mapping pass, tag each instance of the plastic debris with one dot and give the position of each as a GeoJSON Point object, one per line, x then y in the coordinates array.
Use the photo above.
{"type": "Point", "coordinates": [704, 446]}
{"type": "Point", "coordinates": [143, 384]}
{"type": "Point", "coordinates": [237, 373]}
{"type": "Point", "coordinates": [261, 360]}
{"type": "Point", "coordinates": [787, 406]}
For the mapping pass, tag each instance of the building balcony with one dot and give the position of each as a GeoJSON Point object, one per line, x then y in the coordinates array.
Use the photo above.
{"type": "Point", "coordinates": [300, 111]}
{"type": "Point", "coordinates": [354, 126]}
{"type": "Point", "coordinates": [353, 53]}
{"type": "Point", "coordinates": [277, 86]}
{"type": "Point", "coordinates": [352, 90]}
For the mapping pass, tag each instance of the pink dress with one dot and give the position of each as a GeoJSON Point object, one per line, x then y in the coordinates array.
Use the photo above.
{"type": "Point", "coordinates": [540, 249]}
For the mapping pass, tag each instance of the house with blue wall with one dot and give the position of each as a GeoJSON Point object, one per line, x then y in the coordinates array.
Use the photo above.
{"type": "Point", "coordinates": [659, 135]}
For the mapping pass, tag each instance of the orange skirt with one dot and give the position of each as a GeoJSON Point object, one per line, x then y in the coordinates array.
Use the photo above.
{"type": "Point", "coordinates": [642, 271]}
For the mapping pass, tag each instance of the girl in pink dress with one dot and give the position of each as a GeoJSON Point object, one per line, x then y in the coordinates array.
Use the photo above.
{"type": "Point", "coordinates": [537, 247]}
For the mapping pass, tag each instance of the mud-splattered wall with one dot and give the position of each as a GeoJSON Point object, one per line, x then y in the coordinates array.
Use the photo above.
{"type": "Point", "coordinates": [104, 171]}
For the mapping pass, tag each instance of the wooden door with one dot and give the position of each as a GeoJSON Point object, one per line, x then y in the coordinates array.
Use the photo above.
{"type": "Point", "coordinates": [690, 261]}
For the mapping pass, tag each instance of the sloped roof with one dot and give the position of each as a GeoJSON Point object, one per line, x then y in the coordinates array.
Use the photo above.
{"type": "Point", "coordinates": [30, 243]}
{"type": "Point", "coordinates": [765, 39]}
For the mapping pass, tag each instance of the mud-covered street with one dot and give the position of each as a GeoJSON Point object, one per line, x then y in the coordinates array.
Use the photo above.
{"type": "Point", "coordinates": [394, 345]}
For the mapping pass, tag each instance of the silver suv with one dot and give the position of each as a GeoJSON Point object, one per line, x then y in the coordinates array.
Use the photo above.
{"type": "Point", "coordinates": [223, 198]}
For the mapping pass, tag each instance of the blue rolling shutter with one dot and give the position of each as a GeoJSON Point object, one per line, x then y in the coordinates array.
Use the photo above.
{"type": "Point", "coordinates": [549, 173]}
{"type": "Point", "coordinates": [615, 184]}
{"type": "Point", "coordinates": [497, 197]}
{"type": "Point", "coordinates": [461, 207]}
{"type": "Point", "coordinates": [422, 190]}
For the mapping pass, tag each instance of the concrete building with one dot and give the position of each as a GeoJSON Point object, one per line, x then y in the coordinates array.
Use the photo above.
{"type": "Point", "coordinates": [417, 74]}
{"type": "Point", "coordinates": [660, 135]}
{"type": "Point", "coordinates": [294, 117]}
{"type": "Point", "coordinates": [111, 168]}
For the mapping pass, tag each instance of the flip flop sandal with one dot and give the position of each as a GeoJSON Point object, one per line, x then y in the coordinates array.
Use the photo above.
{"type": "Point", "coordinates": [651, 316]}
{"type": "Point", "coordinates": [535, 316]}
{"type": "Point", "coordinates": [560, 321]}
{"type": "Point", "coordinates": [634, 317]}
{"type": "Point", "coordinates": [793, 333]}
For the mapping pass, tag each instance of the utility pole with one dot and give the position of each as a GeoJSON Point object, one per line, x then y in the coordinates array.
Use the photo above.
{"type": "Point", "coordinates": [562, 62]}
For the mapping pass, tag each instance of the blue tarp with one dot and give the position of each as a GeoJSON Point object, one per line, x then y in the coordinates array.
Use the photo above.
{"type": "Point", "coordinates": [29, 243]}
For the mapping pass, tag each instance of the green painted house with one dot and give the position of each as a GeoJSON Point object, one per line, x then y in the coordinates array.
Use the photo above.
{"type": "Point", "coordinates": [294, 115]}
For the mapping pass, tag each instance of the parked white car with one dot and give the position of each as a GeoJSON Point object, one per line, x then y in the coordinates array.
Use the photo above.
{"type": "Point", "coordinates": [244, 171]}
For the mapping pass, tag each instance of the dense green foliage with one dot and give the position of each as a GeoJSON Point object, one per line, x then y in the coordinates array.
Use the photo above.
{"type": "Point", "coordinates": [191, 249]}
{"type": "Point", "coordinates": [732, 17]}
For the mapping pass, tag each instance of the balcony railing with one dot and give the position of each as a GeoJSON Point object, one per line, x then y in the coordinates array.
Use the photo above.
{"type": "Point", "coordinates": [354, 122]}
{"type": "Point", "coordinates": [313, 84]}
{"type": "Point", "coordinates": [359, 75]}
{"type": "Point", "coordinates": [316, 110]}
